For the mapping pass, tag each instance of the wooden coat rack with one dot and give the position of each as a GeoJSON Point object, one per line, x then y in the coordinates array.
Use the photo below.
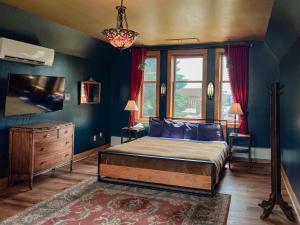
{"type": "Point", "coordinates": [276, 196]}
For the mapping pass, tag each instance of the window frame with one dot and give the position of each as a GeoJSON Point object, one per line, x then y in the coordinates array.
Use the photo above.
{"type": "Point", "coordinates": [140, 117]}
{"type": "Point", "coordinates": [171, 85]}
{"type": "Point", "coordinates": [220, 52]}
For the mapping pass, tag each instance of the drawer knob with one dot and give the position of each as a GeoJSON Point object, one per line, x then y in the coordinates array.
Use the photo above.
{"type": "Point", "coordinates": [67, 142]}
{"type": "Point", "coordinates": [42, 162]}
{"type": "Point", "coordinates": [46, 135]}
{"type": "Point", "coordinates": [66, 131]}
{"type": "Point", "coordinates": [42, 149]}
{"type": "Point", "coordinates": [66, 154]}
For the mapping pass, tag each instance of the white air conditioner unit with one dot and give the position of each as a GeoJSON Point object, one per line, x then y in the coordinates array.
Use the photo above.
{"type": "Point", "coordinates": [17, 51]}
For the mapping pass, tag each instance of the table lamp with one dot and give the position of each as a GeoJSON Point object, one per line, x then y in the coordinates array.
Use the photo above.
{"type": "Point", "coordinates": [236, 110]}
{"type": "Point", "coordinates": [131, 107]}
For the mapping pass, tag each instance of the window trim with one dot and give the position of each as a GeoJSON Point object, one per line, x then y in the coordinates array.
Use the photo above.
{"type": "Point", "coordinates": [172, 55]}
{"type": "Point", "coordinates": [140, 117]}
{"type": "Point", "coordinates": [218, 88]}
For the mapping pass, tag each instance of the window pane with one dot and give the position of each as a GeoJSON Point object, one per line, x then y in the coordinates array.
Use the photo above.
{"type": "Point", "coordinates": [189, 69]}
{"type": "Point", "coordinates": [150, 69]}
{"type": "Point", "coordinates": [225, 73]}
{"type": "Point", "coordinates": [187, 102]}
{"type": "Point", "coordinates": [227, 101]}
{"type": "Point", "coordinates": [149, 99]}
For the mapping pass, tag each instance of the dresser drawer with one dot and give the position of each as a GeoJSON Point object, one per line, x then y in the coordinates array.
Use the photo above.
{"type": "Point", "coordinates": [66, 131]}
{"type": "Point", "coordinates": [52, 147]}
{"type": "Point", "coordinates": [45, 136]}
{"type": "Point", "coordinates": [42, 163]}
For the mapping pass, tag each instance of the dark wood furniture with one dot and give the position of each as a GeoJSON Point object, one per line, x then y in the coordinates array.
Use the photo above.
{"type": "Point", "coordinates": [132, 133]}
{"type": "Point", "coordinates": [160, 178]}
{"type": "Point", "coordinates": [275, 196]}
{"type": "Point", "coordinates": [234, 146]}
{"type": "Point", "coordinates": [37, 148]}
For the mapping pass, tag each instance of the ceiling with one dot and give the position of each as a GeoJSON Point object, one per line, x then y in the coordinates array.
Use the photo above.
{"type": "Point", "coordinates": [206, 21]}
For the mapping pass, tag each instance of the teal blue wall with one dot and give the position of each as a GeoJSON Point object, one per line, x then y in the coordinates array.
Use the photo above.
{"type": "Point", "coordinates": [284, 39]}
{"type": "Point", "coordinates": [77, 58]}
{"type": "Point", "coordinates": [120, 91]}
{"type": "Point", "coordinates": [290, 114]}
{"type": "Point", "coordinates": [263, 70]}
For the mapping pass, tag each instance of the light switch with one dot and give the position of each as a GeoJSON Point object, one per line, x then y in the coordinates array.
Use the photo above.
{"type": "Point", "coordinates": [67, 96]}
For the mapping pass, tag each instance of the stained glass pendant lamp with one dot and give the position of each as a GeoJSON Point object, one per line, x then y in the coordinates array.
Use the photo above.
{"type": "Point", "coordinates": [121, 37]}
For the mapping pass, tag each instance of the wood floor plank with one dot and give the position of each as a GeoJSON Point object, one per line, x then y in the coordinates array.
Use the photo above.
{"type": "Point", "coordinates": [248, 187]}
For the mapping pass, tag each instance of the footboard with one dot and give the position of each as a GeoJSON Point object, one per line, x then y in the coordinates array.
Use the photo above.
{"type": "Point", "coordinates": [156, 170]}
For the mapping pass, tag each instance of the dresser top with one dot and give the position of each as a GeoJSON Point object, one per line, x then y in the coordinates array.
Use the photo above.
{"type": "Point", "coordinates": [47, 125]}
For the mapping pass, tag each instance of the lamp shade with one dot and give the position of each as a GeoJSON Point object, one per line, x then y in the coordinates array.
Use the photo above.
{"type": "Point", "coordinates": [131, 106]}
{"type": "Point", "coordinates": [121, 37]}
{"type": "Point", "coordinates": [236, 109]}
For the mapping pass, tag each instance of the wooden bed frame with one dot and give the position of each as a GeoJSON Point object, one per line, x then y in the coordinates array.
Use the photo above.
{"type": "Point", "coordinates": [157, 178]}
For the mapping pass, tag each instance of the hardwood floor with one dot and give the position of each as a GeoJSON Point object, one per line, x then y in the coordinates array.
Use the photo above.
{"type": "Point", "coordinates": [248, 187]}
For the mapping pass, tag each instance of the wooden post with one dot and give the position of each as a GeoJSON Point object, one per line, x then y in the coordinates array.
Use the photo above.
{"type": "Point", "coordinates": [275, 196]}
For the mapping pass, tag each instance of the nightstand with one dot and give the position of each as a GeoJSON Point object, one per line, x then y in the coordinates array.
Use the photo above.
{"type": "Point", "coordinates": [131, 133]}
{"type": "Point", "coordinates": [234, 138]}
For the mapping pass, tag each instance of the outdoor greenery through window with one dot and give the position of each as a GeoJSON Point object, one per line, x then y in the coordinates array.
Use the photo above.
{"type": "Point", "coordinates": [223, 98]}
{"type": "Point", "coordinates": [148, 102]}
{"type": "Point", "coordinates": [188, 87]}
{"type": "Point", "coordinates": [226, 98]}
{"type": "Point", "coordinates": [187, 79]}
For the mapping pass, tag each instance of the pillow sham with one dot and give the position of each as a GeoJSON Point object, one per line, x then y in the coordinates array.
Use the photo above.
{"type": "Point", "coordinates": [173, 129]}
{"type": "Point", "coordinates": [210, 132]}
{"type": "Point", "coordinates": [190, 131]}
{"type": "Point", "coordinates": [155, 127]}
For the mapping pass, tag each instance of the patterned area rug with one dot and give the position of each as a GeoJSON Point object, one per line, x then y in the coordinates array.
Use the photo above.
{"type": "Point", "coordinates": [91, 202]}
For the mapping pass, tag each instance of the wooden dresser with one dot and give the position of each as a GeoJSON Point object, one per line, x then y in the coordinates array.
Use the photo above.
{"type": "Point", "coordinates": [38, 148]}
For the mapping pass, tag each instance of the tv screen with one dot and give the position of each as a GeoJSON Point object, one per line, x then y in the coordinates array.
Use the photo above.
{"type": "Point", "coordinates": [34, 94]}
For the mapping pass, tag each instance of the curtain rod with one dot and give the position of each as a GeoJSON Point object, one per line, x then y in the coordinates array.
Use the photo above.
{"type": "Point", "coordinates": [184, 46]}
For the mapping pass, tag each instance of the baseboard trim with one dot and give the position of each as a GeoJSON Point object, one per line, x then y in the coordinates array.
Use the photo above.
{"type": "Point", "coordinates": [92, 152]}
{"type": "Point", "coordinates": [3, 183]}
{"type": "Point", "coordinates": [291, 193]}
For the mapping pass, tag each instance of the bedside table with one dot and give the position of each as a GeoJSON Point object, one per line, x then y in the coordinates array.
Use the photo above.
{"type": "Point", "coordinates": [233, 137]}
{"type": "Point", "coordinates": [131, 133]}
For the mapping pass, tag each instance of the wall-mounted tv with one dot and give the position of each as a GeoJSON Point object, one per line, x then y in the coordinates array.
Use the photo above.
{"type": "Point", "coordinates": [34, 94]}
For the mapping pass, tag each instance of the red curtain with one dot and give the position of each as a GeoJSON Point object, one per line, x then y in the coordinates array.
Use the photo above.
{"type": "Point", "coordinates": [137, 75]}
{"type": "Point", "coordinates": [238, 64]}
{"type": "Point", "coordinates": [87, 91]}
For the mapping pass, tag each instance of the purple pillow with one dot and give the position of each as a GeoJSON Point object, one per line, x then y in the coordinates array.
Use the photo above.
{"type": "Point", "coordinates": [191, 131]}
{"type": "Point", "coordinates": [210, 132]}
{"type": "Point", "coordinates": [173, 129]}
{"type": "Point", "coordinates": [155, 127]}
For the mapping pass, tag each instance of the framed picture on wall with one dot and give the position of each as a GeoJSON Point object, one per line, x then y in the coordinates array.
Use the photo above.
{"type": "Point", "coordinates": [90, 92]}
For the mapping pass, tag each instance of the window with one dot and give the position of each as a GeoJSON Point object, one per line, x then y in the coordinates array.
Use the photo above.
{"type": "Point", "coordinates": [149, 96]}
{"type": "Point", "coordinates": [224, 98]}
{"type": "Point", "coordinates": [187, 84]}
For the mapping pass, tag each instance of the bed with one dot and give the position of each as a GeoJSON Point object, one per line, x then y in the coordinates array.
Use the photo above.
{"type": "Point", "coordinates": [181, 164]}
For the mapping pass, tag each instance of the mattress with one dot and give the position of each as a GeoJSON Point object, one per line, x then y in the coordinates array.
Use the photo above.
{"type": "Point", "coordinates": [193, 157]}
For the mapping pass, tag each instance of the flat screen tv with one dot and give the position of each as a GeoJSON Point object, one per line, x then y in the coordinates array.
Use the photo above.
{"type": "Point", "coordinates": [34, 94]}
